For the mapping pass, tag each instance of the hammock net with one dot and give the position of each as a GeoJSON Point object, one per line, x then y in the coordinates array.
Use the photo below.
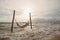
{"type": "Point", "coordinates": [22, 26]}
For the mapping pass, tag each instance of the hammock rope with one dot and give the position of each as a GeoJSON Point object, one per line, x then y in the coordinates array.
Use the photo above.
{"type": "Point", "coordinates": [22, 26]}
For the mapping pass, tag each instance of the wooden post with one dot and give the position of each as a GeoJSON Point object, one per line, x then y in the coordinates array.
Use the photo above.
{"type": "Point", "coordinates": [12, 21]}
{"type": "Point", "coordinates": [30, 20]}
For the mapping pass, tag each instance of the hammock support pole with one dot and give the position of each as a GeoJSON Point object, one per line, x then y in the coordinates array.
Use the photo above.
{"type": "Point", "coordinates": [13, 21]}
{"type": "Point", "coordinates": [30, 20]}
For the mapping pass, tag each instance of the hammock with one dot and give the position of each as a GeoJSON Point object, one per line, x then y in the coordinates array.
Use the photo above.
{"type": "Point", "coordinates": [23, 26]}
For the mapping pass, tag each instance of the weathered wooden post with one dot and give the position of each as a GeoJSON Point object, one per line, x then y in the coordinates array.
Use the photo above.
{"type": "Point", "coordinates": [30, 20]}
{"type": "Point", "coordinates": [13, 21]}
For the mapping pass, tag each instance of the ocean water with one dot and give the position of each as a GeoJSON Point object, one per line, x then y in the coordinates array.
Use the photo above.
{"type": "Point", "coordinates": [39, 31]}
{"type": "Point", "coordinates": [8, 25]}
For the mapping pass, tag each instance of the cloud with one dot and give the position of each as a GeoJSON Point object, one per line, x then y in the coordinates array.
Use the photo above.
{"type": "Point", "coordinates": [54, 13]}
{"type": "Point", "coordinates": [41, 8]}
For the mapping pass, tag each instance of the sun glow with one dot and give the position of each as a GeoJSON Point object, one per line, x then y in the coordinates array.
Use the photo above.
{"type": "Point", "coordinates": [26, 12]}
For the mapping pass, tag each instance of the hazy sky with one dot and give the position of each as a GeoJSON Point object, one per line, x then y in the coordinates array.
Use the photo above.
{"type": "Point", "coordinates": [39, 9]}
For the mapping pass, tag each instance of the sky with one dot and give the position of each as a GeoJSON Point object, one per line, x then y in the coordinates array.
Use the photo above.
{"type": "Point", "coordinates": [40, 9]}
